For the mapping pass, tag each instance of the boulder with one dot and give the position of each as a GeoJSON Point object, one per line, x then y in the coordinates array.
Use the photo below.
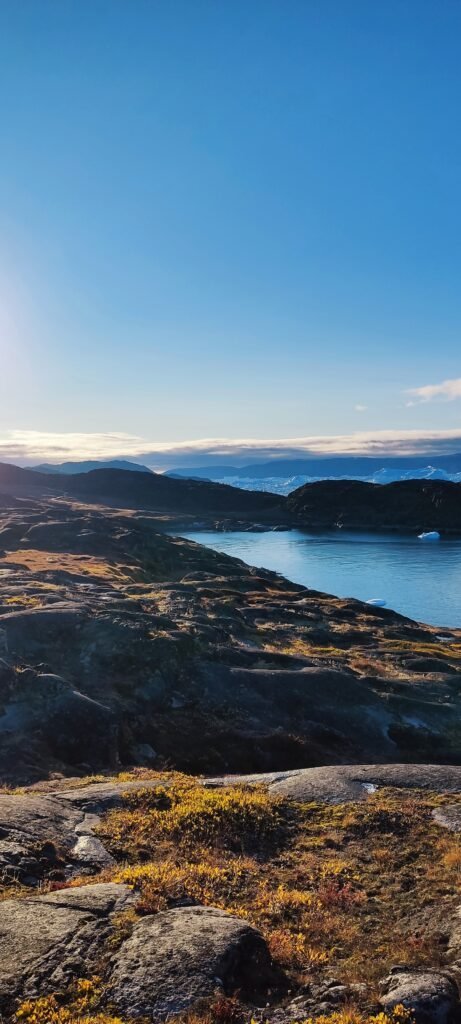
{"type": "Point", "coordinates": [177, 957]}
{"type": "Point", "coordinates": [432, 996]}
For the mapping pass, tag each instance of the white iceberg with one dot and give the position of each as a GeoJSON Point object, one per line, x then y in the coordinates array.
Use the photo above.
{"type": "Point", "coordinates": [377, 602]}
{"type": "Point", "coordinates": [430, 535]}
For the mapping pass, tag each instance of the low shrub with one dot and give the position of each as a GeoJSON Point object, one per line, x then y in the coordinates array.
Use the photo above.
{"type": "Point", "coordinates": [239, 819]}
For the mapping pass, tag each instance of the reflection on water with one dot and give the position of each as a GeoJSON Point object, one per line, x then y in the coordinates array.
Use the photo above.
{"type": "Point", "coordinates": [417, 579]}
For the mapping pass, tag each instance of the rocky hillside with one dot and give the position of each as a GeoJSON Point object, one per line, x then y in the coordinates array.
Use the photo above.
{"type": "Point", "coordinates": [176, 499]}
{"type": "Point", "coordinates": [156, 897]}
{"type": "Point", "coordinates": [405, 505]}
{"type": "Point", "coordinates": [120, 645]}
{"type": "Point", "coordinates": [414, 505]}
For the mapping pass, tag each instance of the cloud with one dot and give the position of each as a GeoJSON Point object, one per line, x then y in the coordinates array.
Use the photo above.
{"type": "Point", "coordinates": [360, 408]}
{"type": "Point", "coordinates": [448, 390]}
{"type": "Point", "coordinates": [31, 446]}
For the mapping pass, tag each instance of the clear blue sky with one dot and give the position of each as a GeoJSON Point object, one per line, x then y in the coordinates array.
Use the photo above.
{"type": "Point", "coordinates": [229, 218]}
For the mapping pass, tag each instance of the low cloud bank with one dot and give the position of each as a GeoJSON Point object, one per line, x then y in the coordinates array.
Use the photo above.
{"type": "Point", "coordinates": [26, 447]}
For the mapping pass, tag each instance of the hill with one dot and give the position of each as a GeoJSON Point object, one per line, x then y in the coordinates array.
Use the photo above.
{"type": "Point", "coordinates": [86, 467]}
{"type": "Point", "coordinates": [162, 494]}
{"type": "Point", "coordinates": [405, 505]}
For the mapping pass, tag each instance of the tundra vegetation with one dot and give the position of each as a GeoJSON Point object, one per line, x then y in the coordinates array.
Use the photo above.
{"type": "Point", "coordinates": [323, 883]}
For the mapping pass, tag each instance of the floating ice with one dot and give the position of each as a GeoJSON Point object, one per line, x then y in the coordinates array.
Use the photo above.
{"type": "Point", "coordinates": [377, 602]}
{"type": "Point", "coordinates": [430, 535]}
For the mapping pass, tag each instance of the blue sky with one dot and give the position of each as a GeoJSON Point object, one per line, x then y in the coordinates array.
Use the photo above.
{"type": "Point", "coordinates": [222, 219]}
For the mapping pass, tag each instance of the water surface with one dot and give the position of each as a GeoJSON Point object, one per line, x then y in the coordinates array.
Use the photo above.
{"type": "Point", "coordinates": [422, 580]}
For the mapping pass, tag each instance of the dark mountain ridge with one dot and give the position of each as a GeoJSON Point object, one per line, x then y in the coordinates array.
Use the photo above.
{"type": "Point", "coordinates": [145, 490]}
{"type": "Point", "coordinates": [404, 505]}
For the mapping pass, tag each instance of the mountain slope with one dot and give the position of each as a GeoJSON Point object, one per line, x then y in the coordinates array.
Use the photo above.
{"type": "Point", "coordinates": [146, 490]}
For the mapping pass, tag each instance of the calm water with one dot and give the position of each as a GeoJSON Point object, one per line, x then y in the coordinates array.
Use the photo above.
{"type": "Point", "coordinates": [422, 580]}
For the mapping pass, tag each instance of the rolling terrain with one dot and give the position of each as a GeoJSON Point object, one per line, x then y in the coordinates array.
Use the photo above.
{"type": "Point", "coordinates": [120, 645]}
{"type": "Point", "coordinates": [141, 881]}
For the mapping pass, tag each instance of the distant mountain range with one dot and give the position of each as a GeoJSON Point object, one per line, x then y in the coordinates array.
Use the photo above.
{"type": "Point", "coordinates": [282, 476]}
{"type": "Point", "coordinates": [73, 468]}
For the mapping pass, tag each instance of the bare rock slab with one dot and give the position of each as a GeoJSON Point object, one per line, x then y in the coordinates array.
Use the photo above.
{"type": "Point", "coordinates": [177, 957]}
{"type": "Point", "coordinates": [339, 783]}
{"type": "Point", "coordinates": [432, 996]}
{"type": "Point", "coordinates": [47, 939]}
{"type": "Point", "coordinates": [35, 833]}
{"type": "Point", "coordinates": [449, 816]}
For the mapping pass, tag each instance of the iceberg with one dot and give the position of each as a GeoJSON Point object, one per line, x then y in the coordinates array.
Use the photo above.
{"type": "Point", "coordinates": [377, 602]}
{"type": "Point", "coordinates": [430, 535]}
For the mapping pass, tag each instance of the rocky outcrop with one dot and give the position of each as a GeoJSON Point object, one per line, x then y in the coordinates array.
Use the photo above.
{"type": "Point", "coordinates": [43, 837]}
{"type": "Point", "coordinates": [175, 958]}
{"type": "Point", "coordinates": [333, 784]}
{"type": "Point", "coordinates": [432, 996]}
{"type": "Point", "coordinates": [449, 816]}
{"type": "Point", "coordinates": [340, 783]}
{"type": "Point", "coordinates": [48, 940]}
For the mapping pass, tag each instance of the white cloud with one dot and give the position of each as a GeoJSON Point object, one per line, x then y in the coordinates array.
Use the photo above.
{"type": "Point", "coordinates": [448, 390]}
{"type": "Point", "coordinates": [360, 408]}
{"type": "Point", "coordinates": [32, 446]}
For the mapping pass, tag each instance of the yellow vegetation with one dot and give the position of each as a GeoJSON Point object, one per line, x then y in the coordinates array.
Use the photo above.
{"type": "Point", "coordinates": [80, 1002]}
{"type": "Point", "coordinates": [49, 561]}
{"type": "Point", "coordinates": [399, 1015]}
{"type": "Point", "coordinates": [23, 600]}
{"type": "Point", "coordinates": [323, 883]}
{"type": "Point", "coordinates": [190, 815]}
